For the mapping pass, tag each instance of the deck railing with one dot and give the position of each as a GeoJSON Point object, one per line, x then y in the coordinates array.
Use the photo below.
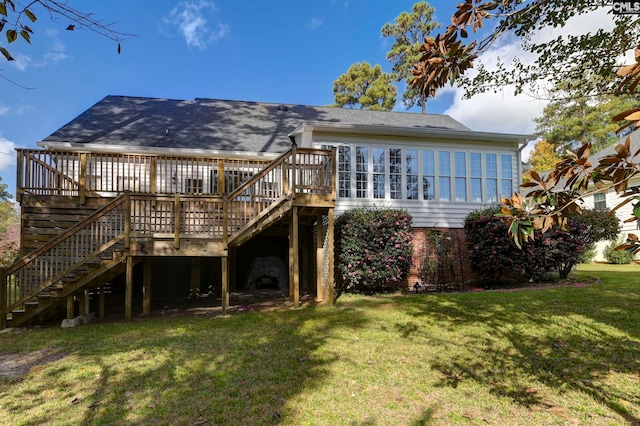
{"type": "Point", "coordinates": [89, 239]}
{"type": "Point", "coordinates": [78, 174]}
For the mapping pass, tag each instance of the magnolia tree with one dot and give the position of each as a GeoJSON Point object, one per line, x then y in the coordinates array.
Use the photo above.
{"type": "Point", "coordinates": [554, 198]}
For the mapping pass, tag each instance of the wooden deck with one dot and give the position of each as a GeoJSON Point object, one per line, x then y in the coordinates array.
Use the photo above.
{"type": "Point", "coordinates": [85, 214]}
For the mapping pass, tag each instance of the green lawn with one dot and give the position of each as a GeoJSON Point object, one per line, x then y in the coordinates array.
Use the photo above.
{"type": "Point", "coordinates": [557, 356]}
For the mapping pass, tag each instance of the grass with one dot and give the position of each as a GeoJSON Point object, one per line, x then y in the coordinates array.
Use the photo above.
{"type": "Point", "coordinates": [567, 355]}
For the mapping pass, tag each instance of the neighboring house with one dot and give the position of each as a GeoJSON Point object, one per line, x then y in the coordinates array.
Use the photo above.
{"type": "Point", "coordinates": [610, 199]}
{"type": "Point", "coordinates": [200, 192]}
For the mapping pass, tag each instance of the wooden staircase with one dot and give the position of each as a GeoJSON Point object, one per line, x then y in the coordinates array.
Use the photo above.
{"type": "Point", "coordinates": [86, 255]}
{"type": "Point", "coordinates": [97, 249]}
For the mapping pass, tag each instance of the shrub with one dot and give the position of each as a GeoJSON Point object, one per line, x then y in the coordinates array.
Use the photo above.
{"type": "Point", "coordinates": [618, 257]}
{"type": "Point", "coordinates": [374, 248]}
{"type": "Point", "coordinates": [493, 254]}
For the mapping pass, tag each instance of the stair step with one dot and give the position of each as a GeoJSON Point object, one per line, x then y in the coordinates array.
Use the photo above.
{"type": "Point", "coordinates": [18, 311]}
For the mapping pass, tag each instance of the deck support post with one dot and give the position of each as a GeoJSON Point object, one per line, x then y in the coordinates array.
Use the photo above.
{"type": "Point", "coordinates": [225, 284]}
{"type": "Point", "coordinates": [330, 254]}
{"type": "Point", "coordinates": [294, 257]}
{"type": "Point", "coordinates": [146, 289]}
{"type": "Point", "coordinates": [83, 302]}
{"type": "Point", "coordinates": [195, 276]}
{"type": "Point", "coordinates": [319, 259]}
{"type": "Point", "coordinates": [128, 297]}
{"type": "Point", "coordinates": [4, 302]}
{"type": "Point", "coordinates": [70, 307]}
{"type": "Point", "coordinates": [101, 302]}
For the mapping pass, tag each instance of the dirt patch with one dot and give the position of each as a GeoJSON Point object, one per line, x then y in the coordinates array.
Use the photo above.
{"type": "Point", "coordinates": [14, 366]}
{"type": "Point", "coordinates": [239, 303]}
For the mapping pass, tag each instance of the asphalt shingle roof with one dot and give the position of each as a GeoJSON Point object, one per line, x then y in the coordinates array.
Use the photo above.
{"type": "Point", "coordinates": [224, 125]}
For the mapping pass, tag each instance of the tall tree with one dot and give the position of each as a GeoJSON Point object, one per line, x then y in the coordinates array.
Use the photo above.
{"type": "Point", "coordinates": [450, 54]}
{"type": "Point", "coordinates": [366, 86]}
{"type": "Point", "coordinates": [543, 157]}
{"type": "Point", "coordinates": [408, 32]}
{"type": "Point", "coordinates": [4, 194]}
{"type": "Point", "coordinates": [566, 123]}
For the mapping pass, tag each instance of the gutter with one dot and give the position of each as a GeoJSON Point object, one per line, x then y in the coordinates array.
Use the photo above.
{"type": "Point", "coordinates": [178, 152]}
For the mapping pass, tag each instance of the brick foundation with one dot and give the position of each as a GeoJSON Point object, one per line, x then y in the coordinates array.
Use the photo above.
{"type": "Point", "coordinates": [443, 267]}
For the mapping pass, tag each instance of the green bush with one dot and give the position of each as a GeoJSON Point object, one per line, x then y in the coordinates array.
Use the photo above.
{"type": "Point", "coordinates": [374, 248]}
{"type": "Point", "coordinates": [588, 255]}
{"type": "Point", "coordinates": [493, 254]}
{"type": "Point", "coordinates": [618, 257]}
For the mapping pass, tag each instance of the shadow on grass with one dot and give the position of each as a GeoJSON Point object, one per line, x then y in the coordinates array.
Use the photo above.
{"type": "Point", "coordinates": [566, 338]}
{"type": "Point", "coordinates": [240, 370]}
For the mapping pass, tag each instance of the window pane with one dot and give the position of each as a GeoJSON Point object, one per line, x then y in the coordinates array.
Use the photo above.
{"type": "Point", "coordinates": [361, 171]}
{"type": "Point", "coordinates": [492, 165]}
{"type": "Point", "coordinates": [378, 172]}
{"type": "Point", "coordinates": [428, 163]}
{"type": "Point", "coordinates": [444, 163]}
{"type": "Point", "coordinates": [460, 160]}
{"type": "Point", "coordinates": [412, 187]}
{"type": "Point", "coordinates": [395, 187]}
{"type": "Point", "coordinates": [461, 189]}
{"type": "Point", "coordinates": [395, 173]}
{"type": "Point", "coordinates": [412, 174]}
{"type": "Point", "coordinates": [445, 189]}
{"type": "Point", "coordinates": [476, 190]}
{"type": "Point", "coordinates": [492, 190]}
{"type": "Point", "coordinates": [428, 189]}
{"type": "Point", "coordinates": [507, 187]}
{"type": "Point", "coordinates": [412, 161]}
{"type": "Point", "coordinates": [344, 171]}
{"type": "Point", "coordinates": [599, 201]}
{"type": "Point", "coordinates": [428, 175]}
{"type": "Point", "coordinates": [506, 163]}
{"type": "Point", "coordinates": [476, 164]}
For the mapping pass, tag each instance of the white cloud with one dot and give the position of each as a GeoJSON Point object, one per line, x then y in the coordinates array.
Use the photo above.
{"type": "Point", "coordinates": [192, 20]}
{"type": "Point", "coordinates": [21, 61]}
{"type": "Point", "coordinates": [56, 52]}
{"type": "Point", "coordinates": [7, 154]}
{"type": "Point", "coordinates": [4, 110]}
{"type": "Point", "coordinates": [315, 23]}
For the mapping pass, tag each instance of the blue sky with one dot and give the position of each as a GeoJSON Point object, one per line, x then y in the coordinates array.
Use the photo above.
{"type": "Point", "coordinates": [270, 51]}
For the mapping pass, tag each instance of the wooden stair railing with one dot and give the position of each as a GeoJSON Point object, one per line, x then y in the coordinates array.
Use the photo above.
{"type": "Point", "coordinates": [297, 171]}
{"type": "Point", "coordinates": [46, 268]}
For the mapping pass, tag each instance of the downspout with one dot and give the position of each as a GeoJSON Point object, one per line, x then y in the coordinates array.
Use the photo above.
{"type": "Point", "coordinates": [520, 168]}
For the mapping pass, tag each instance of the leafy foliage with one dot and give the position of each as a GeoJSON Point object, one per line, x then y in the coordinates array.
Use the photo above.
{"type": "Point", "coordinates": [566, 123]}
{"type": "Point", "coordinates": [617, 257]}
{"type": "Point", "coordinates": [374, 248]}
{"type": "Point", "coordinates": [446, 57]}
{"type": "Point", "coordinates": [493, 254]}
{"type": "Point", "coordinates": [408, 32]}
{"type": "Point", "coordinates": [366, 86]}
{"type": "Point", "coordinates": [9, 245]}
{"type": "Point", "coordinates": [542, 158]}
{"type": "Point", "coordinates": [4, 194]}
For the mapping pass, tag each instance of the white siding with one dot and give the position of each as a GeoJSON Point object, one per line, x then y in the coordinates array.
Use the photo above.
{"type": "Point", "coordinates": [622, 214]}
